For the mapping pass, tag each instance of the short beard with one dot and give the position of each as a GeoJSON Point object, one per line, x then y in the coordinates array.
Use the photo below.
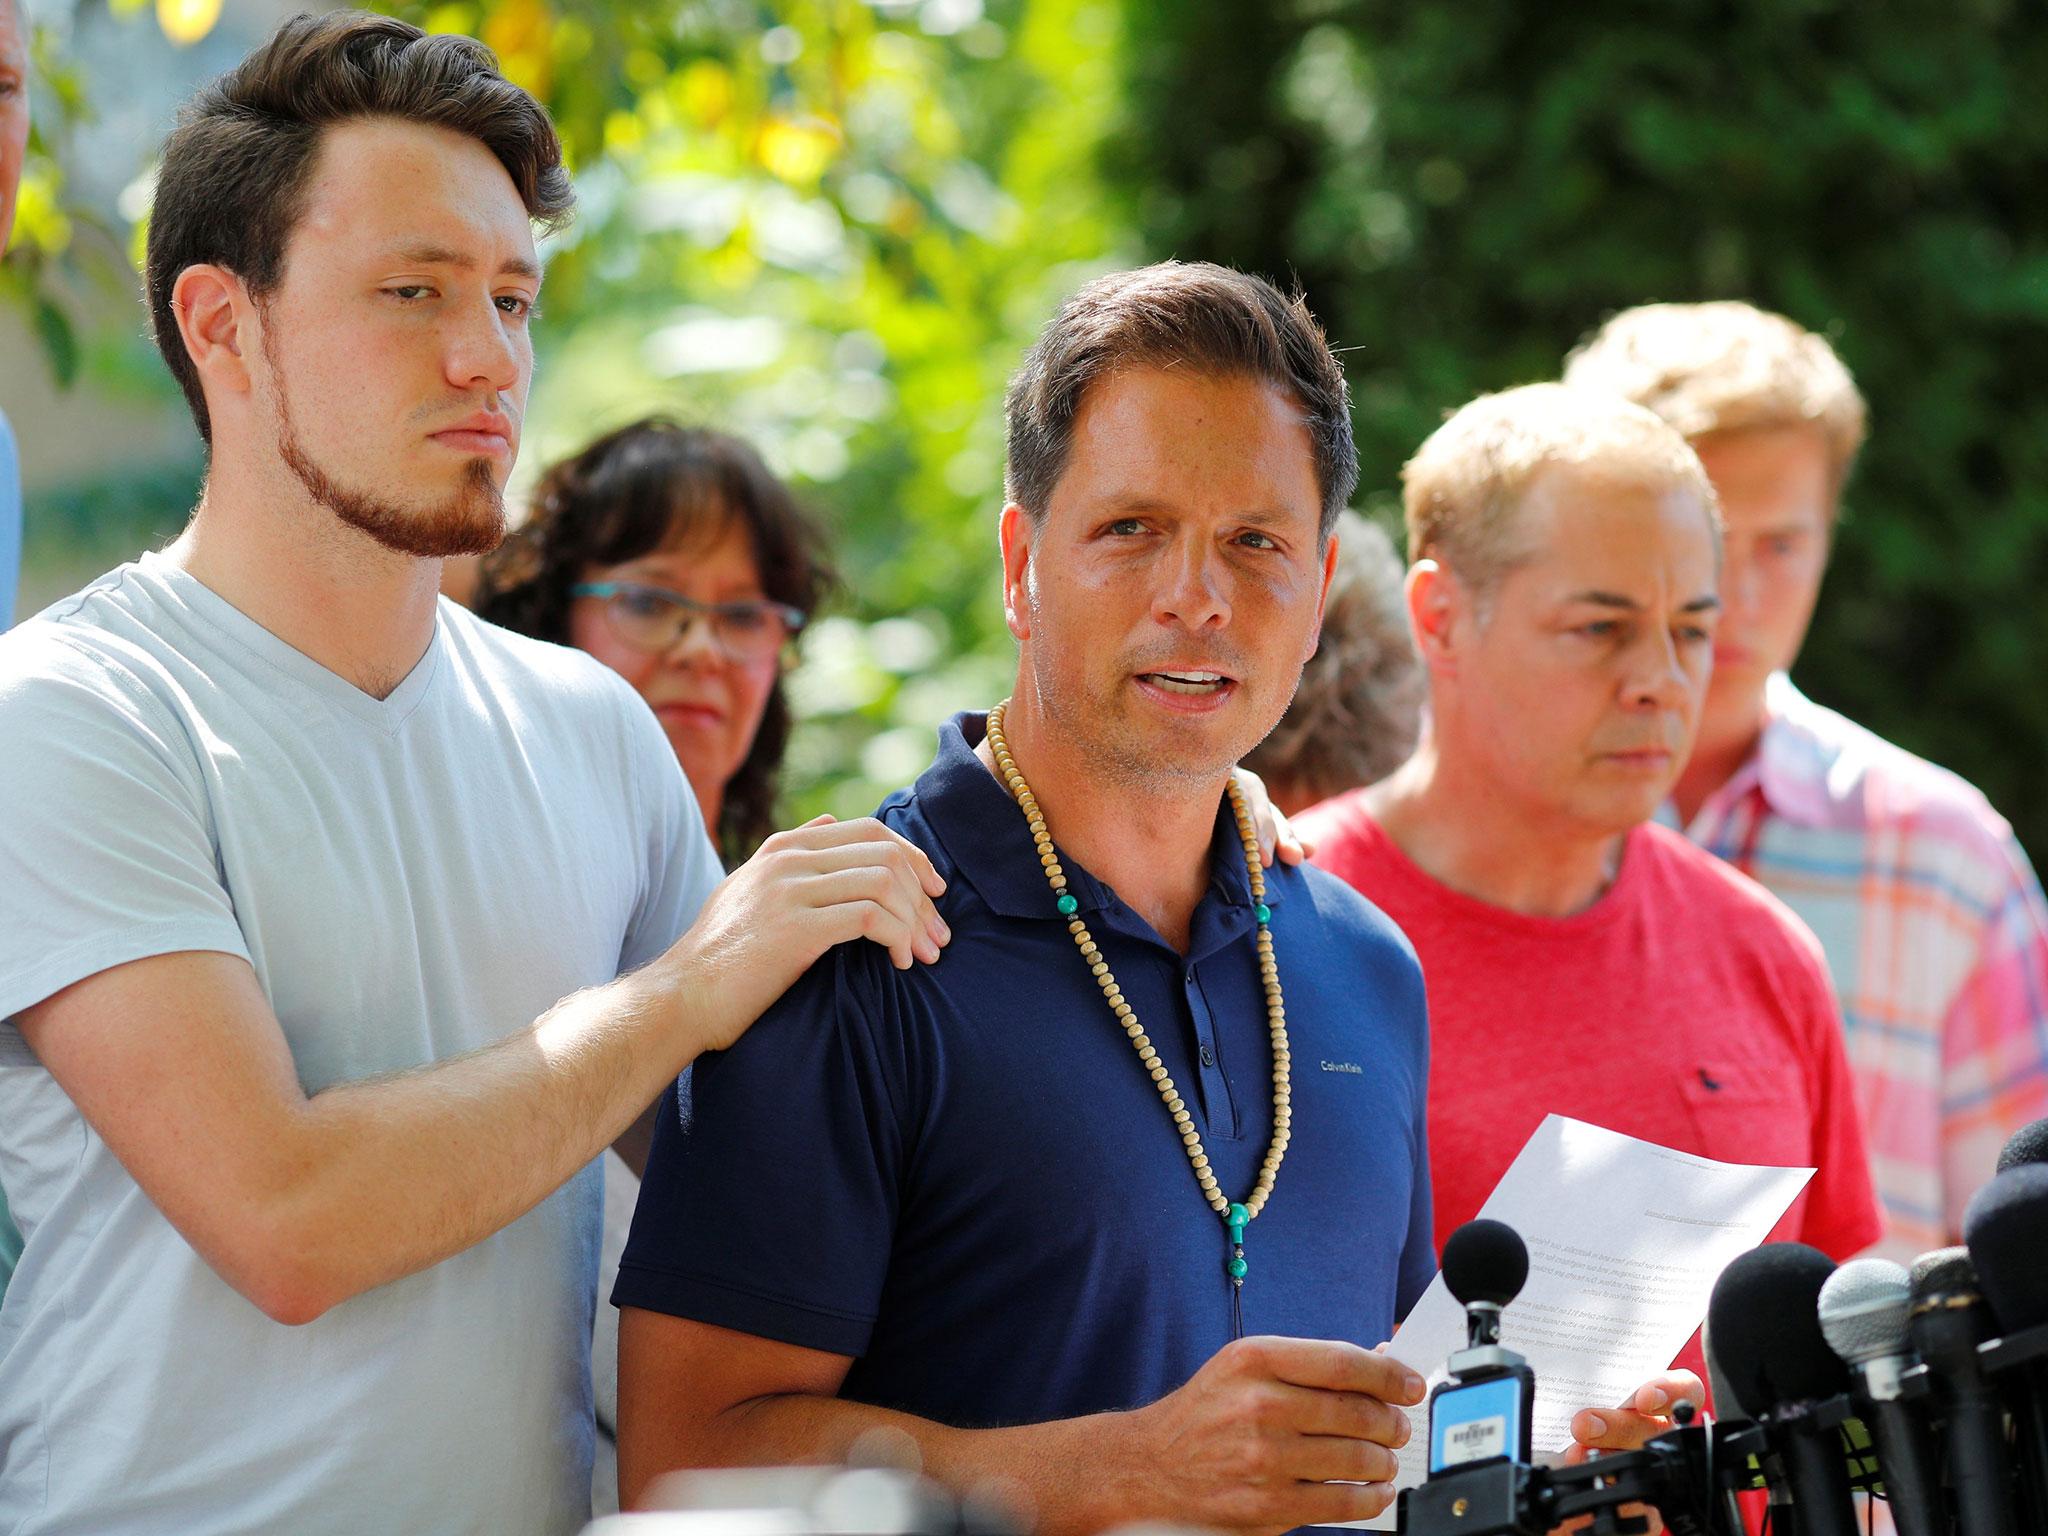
{"type": "Point", "coordinates": [1122, 757]}
{"type": "Point", "coordinates": [471, 522]}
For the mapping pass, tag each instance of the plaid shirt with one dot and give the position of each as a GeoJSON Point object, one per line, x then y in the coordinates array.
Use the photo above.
{"type": "Point", "coordinates": [1936, 936]}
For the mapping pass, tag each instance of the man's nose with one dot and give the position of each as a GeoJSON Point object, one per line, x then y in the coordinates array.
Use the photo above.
{"type": "Point", "coordinates": [1193, 591]}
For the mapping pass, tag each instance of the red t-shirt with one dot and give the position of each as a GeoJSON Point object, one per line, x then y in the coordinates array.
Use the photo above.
{"type": "Point", "coordinates": [1687, 1006]}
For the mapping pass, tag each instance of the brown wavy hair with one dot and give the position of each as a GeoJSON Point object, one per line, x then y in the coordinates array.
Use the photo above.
{"type": "Point", "coordinates": [644, 487]}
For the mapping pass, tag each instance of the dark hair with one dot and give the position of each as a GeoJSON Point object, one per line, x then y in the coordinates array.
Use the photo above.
{"type": "Point", "coordinates": [1209, 318]}
{"type": "Point", "coordinates": [233, 180]}
{"type": "Point", "coordinates": [631, 492]}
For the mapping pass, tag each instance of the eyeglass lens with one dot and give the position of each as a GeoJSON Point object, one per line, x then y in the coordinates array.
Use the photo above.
{"type": "Point", "coordinates": [656, 620]}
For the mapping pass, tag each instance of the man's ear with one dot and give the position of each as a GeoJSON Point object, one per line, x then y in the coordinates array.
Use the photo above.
{"type": "Point", "coordinates": [1014, 532]}
{"type": "Point", "coordinates": [1315, 637]}
{"type": "Point", "coordinates": [1437, 607]}
{"type": "Point", "coordinates": [218, 323]}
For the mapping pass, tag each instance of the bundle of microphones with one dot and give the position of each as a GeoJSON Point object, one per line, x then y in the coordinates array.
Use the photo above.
{"type": "Point", "coordinates": [1926, 1387]}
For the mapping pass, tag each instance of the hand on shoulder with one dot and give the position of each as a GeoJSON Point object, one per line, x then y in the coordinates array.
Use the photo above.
{"type": "Point", "coordinates": [807, 889]}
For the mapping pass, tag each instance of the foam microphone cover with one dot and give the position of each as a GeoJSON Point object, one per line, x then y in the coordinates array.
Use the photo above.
{"type": "Point", "coordinates": [1485, 1260]}
{"type": "Point", "coordinates": [1764, 1319]}
{"type": "Point", "coordinates": [1726, 1404]}
{"type": "Point", "coordinates": [2006, 1228]}
{"type": "Point", "coordinates": [2029, 1144]}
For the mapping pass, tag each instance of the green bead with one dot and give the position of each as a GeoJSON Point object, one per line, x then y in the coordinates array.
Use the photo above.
{"type": "Point", "coordinates": [1067, 905]}
{"type": "Point", "coordinates": [1237, 1218]}
{"type": "Point", "coordinates": [1238, 1269]}
{"type": "Point", "coordinates": [1263, 913]}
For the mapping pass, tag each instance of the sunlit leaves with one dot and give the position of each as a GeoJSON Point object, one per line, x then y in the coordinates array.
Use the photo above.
{"type": "Point", "coordinates": [185, 22]}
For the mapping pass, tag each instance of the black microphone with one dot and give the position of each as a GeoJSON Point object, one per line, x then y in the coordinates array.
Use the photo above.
{"type": "Point", "coordinates": [1485, 1266]}
{"type": "Point", "coordinates": [1484, 1410]}
{"type": "Point", "coordinates": [1863, 1315]}
{"type": "Point", "coordinates": [1728, 1409]}
{"type": "Point", "coordinates": [1949, 1320]}
{"type": "Point", "coordinates": [1764, 1319]}
{"type": "Point", "coordinates": [2006, 1226]}
{"type": "Point", "coordinates": [2029, 1144]}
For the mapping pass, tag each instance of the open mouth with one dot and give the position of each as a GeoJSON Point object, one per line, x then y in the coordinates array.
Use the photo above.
{"type": "Point", "coordinates": [1187, 684]}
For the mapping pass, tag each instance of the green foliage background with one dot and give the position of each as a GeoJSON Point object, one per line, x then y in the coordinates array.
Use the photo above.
{"type": "Point", "coordinates": [834, 225]}
{"type": "Point", "coordinates": [1466, 190]}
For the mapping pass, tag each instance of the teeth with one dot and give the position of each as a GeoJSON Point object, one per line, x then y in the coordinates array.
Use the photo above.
{"type": "Point", "coordinates": [1188, 682]}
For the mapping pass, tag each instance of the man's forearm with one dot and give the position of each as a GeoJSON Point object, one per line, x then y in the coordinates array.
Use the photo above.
{"type": "Point", "coordinates": [1070, 1477]}
{"type": "Point", "coordinates": [395, 1174]}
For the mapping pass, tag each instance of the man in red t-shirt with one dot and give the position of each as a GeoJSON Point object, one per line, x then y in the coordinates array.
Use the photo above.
{"type": "Point", "coordinates": [1579, 958]}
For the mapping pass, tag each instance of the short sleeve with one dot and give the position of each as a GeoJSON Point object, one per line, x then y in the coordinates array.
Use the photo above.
{"type": "Point", "coordinates": [773, 1189]}
{"type": "Point", "coordinates": [682, 867]}
{"type": "Point", "coordinates": [1841, 1215]}
{"type": "Point", "coordinates": [1418, 1249]}
{"type": "Point", "coordinates": [107, 852]}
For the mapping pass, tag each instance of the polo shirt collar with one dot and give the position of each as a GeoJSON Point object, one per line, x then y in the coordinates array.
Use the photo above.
{"type": "Point", "coordinates": [989, 842]}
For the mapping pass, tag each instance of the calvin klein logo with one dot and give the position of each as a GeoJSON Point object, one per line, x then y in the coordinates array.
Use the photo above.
{"type": "Point", "coordinates": [1344, 1066]}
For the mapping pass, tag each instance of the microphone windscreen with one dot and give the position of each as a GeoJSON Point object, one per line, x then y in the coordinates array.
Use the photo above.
{"type": "Point", "coordinates": [1485, 1260]}
{"type": "Point", "coordinates": [1726, 1404]}
{"type": "Point", "coordinates": [2006, 1226]}
{"type": "Point", "coordinates": [1764, 1318]}
{"type": "Point", "coordinates": [1863, 1308]}
{"type": "Point", "coordinates": [2029, 1144]}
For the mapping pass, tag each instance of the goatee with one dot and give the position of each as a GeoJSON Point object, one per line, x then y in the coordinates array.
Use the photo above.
{"type": "Point", "coordinates": [470, 522]}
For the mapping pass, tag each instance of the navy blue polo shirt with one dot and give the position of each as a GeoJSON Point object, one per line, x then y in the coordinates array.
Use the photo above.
{"type": "Point", "coordinates": [962, 1177]}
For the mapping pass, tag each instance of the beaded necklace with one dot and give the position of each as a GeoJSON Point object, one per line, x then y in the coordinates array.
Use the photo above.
{"type": "Point", "coordinates": [1236, 1217]}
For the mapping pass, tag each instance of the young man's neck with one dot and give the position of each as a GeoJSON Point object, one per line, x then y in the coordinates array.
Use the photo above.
{"type": "Point", "coordinates": [1149, 843]}
{"type": "Point", "coordinates": [1457, 828]}
{"type": "Point", "coordinates": [364, 612]}
{"type": "Point", "coordinates": [1727, 739]}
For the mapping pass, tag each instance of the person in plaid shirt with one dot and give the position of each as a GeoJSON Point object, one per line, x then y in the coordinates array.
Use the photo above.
{"type": "Point", "coordinates": [1930, 915]}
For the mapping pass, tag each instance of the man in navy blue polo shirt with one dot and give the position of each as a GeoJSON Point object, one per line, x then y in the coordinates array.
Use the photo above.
{"type": "Point", "coordinates": [1047, 1206]}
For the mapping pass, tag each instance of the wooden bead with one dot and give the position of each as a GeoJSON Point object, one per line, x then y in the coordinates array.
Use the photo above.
{"type": "Point", "coordinates": [1098, 966]}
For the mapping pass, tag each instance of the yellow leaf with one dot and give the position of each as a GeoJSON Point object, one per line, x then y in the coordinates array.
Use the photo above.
{"type": "Point", "coordinates": [452, 20]}
{"type": "Point", "coordinates": [797, 149]}
{"type": "Point", "coordinates": [38, 218]}
{"type": "Point", "coordinates": [623, 133]}
{"type": "Point", "coordinates": [519, 32]}
{"type": "Point", "coordinates": [185, 22]}
{"type": "Point", "coordinates": [704, 92]}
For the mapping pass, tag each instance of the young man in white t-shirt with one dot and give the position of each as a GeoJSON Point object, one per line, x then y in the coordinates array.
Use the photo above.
{"type": "Point", "coordinates": [341, 930]}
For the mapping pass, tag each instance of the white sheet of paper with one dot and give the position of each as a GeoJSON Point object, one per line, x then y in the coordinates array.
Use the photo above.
{"type": "Point", "coordinates": [1626, 1239]}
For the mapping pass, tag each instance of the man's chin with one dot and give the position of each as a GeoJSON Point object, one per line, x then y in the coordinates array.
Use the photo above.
{"type": "Point", "coordinates": [1185, 749]}
{"type": "Point", "coordinates": [430, 534]}
{"type": "Point", "coordinates": [468, 520]}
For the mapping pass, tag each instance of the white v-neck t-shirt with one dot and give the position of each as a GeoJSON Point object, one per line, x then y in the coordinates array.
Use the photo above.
{"type": "Point", "coordinates": [411, 878]}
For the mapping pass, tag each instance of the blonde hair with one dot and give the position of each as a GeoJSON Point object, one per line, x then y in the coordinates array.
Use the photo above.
{"type": "Point", "coordinates": [1357, 714]}
{"type": "Point", "coordinates": [1465, 484]}
{"type": "Point", "coordinates": [1726, 367]}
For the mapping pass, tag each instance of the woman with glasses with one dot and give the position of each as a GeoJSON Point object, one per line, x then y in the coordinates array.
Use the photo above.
{"type": "Point", "coordinates": [672, 555]}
